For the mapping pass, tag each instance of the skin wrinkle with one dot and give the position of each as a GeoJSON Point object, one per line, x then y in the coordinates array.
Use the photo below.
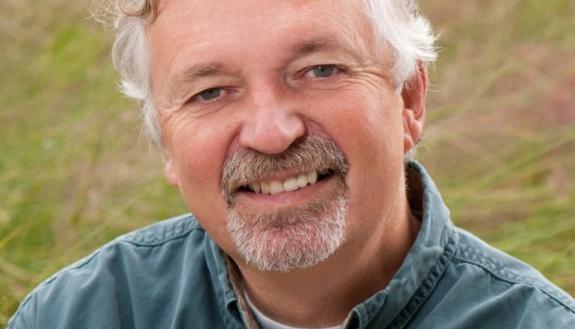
{"type": "Point", "coordinates": [395, 27]}
{"type": "Point", "coordinates": [190, 74]}
{"type": "Point", "coordinates": [356, 76]}
{"type": "Point", "coordinates": [358, 109]}
{"type": "Point", "coordinates": [357, 69]}
{"type": "Point", "coordinates": [319, 44]}
{"type": "Point", "coordinates": [363, 111]}
{"type": "Point", "coordinates": [181, 85]}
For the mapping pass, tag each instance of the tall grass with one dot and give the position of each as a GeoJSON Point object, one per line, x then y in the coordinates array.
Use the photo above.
{"type": "Point", "coordinates": [75, 171]}
{"type": "Point", "coordinates": [501, 130]}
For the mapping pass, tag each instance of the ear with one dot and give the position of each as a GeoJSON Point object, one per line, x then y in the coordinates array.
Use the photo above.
{"type": "Point", "coordinates": [413, 94]}
{"type": "Point", "coordinates": [170, 171]}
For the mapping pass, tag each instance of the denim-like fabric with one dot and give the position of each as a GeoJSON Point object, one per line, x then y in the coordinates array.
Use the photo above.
{"type": "Point", "coordinates": [172, 275]}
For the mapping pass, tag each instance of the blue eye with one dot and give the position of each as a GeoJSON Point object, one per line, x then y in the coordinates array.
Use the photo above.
{"type": "Point", "coordinates": [323, 71]}
{"type": "Point", "coordinates": [209, 94]}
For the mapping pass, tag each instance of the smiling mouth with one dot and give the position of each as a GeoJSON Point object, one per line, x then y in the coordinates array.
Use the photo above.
{"type": "Point", "coordinates": [293, 183]}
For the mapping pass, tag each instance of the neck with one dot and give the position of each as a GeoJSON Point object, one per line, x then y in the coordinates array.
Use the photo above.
{"type": "Point", "coordinates": [324, 295]}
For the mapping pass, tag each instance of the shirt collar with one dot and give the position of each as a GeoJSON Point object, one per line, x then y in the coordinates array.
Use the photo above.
{"type": "Point", "coordinates": [227, 285]}
{"type": "Point", "coordinates": [425, 262]}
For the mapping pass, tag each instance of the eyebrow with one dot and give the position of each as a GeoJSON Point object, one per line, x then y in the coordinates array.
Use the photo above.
{"type": "Point", "coordinates": [319, 44]}
{"type": "Point", "coordinates": [194, 72]}
{"type": "Point", "coordinates": [190, 74]}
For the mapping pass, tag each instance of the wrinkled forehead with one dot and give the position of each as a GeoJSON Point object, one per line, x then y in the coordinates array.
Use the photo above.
{"type": "Point", "coordinates": [216, 17]}
{"type": "Point", "coordinates": [220, 25]}
{"type": "Point", "coordinates": [216, 6]}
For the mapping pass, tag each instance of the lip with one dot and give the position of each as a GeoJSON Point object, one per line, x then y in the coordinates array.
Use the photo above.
{"type": "Point", "coordinates": [285, 199]}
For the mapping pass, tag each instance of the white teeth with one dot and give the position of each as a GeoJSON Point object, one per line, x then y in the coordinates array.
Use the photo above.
{"type": "Point", "coordinates": [302, 180]}
{"type": "Point", "coordinates": [265, 188]}
{"type": "Point", "coordinates": [291, 184]}
{"type": "Point", "coordinates": [288, 185]}
{"type": "Point", "coordinates": [276, 187]}
{"type": "Point", "coordinates": [255, 187]}
{"type": "Point", "coordinates": [312, 177]}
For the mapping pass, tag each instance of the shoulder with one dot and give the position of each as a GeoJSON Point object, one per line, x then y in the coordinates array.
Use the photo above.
{"type": "Point", "coordinates": [492, 282]}
{"type": "Point", "coordinates": [501, 266]}
{"type": "Point", "coordinates": [125, 271]}
{"type": "Point", "coordinates": [159, 234]}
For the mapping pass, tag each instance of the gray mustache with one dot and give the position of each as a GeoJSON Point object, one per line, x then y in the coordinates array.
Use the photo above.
{"type": "Point", "coordinates": [310, 153]}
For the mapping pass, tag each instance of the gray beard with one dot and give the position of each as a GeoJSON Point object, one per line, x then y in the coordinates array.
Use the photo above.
{"type": "Point", "coordinates": [291, 239]}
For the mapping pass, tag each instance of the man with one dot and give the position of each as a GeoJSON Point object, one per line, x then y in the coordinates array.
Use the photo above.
{"type": "Point", "coordinates": [285, 125]}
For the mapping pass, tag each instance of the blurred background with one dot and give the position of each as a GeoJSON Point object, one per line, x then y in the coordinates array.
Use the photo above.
{"type": "Point", "coordinates": [75, 170]}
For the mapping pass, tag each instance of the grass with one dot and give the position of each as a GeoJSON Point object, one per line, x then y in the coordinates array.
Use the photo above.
{"type": "Point", "coordinates": [501, 126]}
{"type": "Point", "coordinates": [75, 171]}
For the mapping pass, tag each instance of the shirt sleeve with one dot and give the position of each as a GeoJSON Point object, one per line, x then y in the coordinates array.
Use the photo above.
{"type": "Point", "coordinates": [24, 316]}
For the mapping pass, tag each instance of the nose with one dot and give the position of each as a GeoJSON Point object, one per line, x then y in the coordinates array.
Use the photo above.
{"type": "Point", "coordinates": [271, 124]}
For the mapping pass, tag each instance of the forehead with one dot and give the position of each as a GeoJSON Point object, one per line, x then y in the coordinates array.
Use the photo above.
{"type": "Point", "coordinates": [200, 12]}
{"type": "Point", "coordinates": [219, 24]}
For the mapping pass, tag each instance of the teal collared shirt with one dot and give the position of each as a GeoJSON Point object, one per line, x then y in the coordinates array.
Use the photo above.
{"type": "Point", "coordinates": [172, 275]}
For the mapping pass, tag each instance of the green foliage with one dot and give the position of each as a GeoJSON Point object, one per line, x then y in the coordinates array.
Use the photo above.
{"type": "Point", "coordinates": [75, 172]}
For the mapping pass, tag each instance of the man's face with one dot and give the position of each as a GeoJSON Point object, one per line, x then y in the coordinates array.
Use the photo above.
{"type": "Point", "coordinates": [282, 128]}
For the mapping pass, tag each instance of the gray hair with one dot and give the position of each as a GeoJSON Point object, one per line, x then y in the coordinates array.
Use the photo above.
{"type": "Point", "coordinates": [397, 23]}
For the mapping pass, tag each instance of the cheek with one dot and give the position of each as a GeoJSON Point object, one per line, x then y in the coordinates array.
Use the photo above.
{"type": "Point", "coordinates": [201, 153]}
{"type": "Point", "coordinates": [369, 129]}
{"type": "Point", "coordinates": [199, 148]}
{"type": "Point", "coordinates": [370, 132]}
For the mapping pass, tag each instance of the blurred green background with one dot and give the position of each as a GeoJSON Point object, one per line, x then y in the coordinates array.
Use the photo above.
{"type": "Point", "coordinates": [75, 170]}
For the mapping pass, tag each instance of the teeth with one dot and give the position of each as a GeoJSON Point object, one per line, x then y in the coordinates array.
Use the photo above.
{"type": "Point", "coordinates": [291, 184]}
{"type": "Point", "coordinates": [276, 187]}
{"type": "Point", "coordinates": [302, 180]}
{"type": "Point", "coordinates": [312, 177]}
{"type": "Point", "coordinates": [255, 187]}
{"type": "Point", "coordinates": [265, 188]}
{"type": "Point", "coordinates": [288, 185]}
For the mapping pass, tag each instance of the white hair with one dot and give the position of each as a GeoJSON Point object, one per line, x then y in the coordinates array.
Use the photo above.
{"type": "Point", "coordinates": [397, 23]}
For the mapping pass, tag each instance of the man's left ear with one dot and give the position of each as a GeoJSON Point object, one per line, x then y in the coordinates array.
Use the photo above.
{"type": "Point", "coordinates": [413, 94]}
